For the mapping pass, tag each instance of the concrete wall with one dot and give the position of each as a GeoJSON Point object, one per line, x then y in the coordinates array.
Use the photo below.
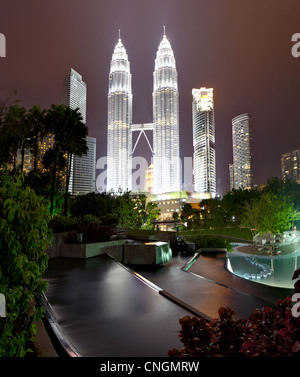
{"type": "Point", "coordinates": [60, 249]}
{"type": "Point", "coordinates": [128, 253]}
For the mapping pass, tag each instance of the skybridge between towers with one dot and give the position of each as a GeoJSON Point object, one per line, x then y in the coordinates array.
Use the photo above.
{"type": "Point", "coordinates": [142, 127]}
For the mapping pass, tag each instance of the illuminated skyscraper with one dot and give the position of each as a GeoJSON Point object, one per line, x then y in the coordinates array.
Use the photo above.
{"type": "Point", "coordinates": [204, 141]}
{"type": "Point", "coordinates": [83, 169]}
{"type": "Point", "coordinates": [119, 142]}
{"type": "Point", "coordinates": [166, 155]}
{"type": "Point", "coordinates": [290, 166]}
{"type": "Point", "coordinates": [242, 156]}
{"type": "Point", "coordinates": [74, 92]}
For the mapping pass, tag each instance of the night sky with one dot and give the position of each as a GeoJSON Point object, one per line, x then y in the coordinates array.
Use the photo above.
{"type": "Point", "coordinates": [241, 48]}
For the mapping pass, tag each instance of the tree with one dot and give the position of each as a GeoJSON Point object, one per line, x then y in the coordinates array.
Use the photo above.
{"type": "Point", "coordinates": [54, 161]}
{"type": "Point", "coordinates": [15, 133]}
{"type": "Point", "coordinates": [24, 236]}
{"type": "Point", "coordinates": [36, 121]}
{"type": "Point", "coordinates": [233, 203]}
{"type": "Point", "coordinates": [187, 212]}
{"type": "Point", "coordinates": [270, 214]}
{"type": "Point", "coordinates": [152, 213]}
{"type": "Point", "coordinates": [130, 210]}
{"type": "Point", "coordinates": [69, 132]}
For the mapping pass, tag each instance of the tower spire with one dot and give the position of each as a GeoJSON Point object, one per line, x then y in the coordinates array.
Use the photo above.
{"type": "Point", "coordinates": [164, 31]}
{"type": "Point", "coordinates": [119, 34]}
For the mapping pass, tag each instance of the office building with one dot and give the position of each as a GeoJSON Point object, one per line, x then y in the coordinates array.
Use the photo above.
{"type": "Point", "coordinates": [83, 168]}
{"type": "Point", "coordinates": [84, 171]}
{"type": "Point", "coordinates": [290, 166]}
{"type": "Point", "coordinates": [242, 154]}
{"type": "Point", "coordinates": [204, 164]}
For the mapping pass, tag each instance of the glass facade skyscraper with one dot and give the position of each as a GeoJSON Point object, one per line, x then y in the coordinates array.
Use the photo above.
{"type": "Point", "coordinates": [74, 92]}
{"type": "Point", "coordinates": [290, 166]}
{"type": "Point", "coordinates": [83, 169]}
{"type": "Point", "coordinates": [242, 155]}
{"type": "Point", "coordinates": [204, 167]}
{"type": "Point", "coordinates": [166, 156]}
{"type": "Point", "coordinates": [119, 139]}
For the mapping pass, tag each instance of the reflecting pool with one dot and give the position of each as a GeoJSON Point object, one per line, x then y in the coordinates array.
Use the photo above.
{"type": "Point", "coordinates": [273, 270]}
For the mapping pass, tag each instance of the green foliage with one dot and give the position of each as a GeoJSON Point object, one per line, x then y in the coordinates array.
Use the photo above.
{"type": "Point", "coordinates": [266, 333]}
{"type": "Point", "coordinates": [130, 210]}
{"type": "Point", "coordinates": [91, 233]}
{"type": "Point", "coordinates": [100, 205]}
{"type": "Point", "coordinates": [24, 236]}
{"type": "Point", "coordinates": [14, 134]}
{"type": "Point", "coordinates": [69, 140]}
{"type": "Point", "coordinates": [270, 213]}
{"type": "Point", "coordinates": [207, 241]}
{"type": "Point", "coordinates": [151, 214]}
{"type": "Point", "coordinates": [60, 224]}
{"type": "Point", "coordinates": [124, 210]}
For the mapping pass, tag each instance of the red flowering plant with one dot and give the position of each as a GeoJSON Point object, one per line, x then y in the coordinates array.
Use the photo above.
{"type": "Point", "coordinates": [267, 332]}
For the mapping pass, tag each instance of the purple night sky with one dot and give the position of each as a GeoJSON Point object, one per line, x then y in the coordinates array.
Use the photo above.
{"type": "Point", "coordinates": [242, 49]}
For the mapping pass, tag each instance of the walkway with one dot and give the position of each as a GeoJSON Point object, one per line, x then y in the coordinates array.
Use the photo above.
{"type": "Point", "coordinates": [104, 310]}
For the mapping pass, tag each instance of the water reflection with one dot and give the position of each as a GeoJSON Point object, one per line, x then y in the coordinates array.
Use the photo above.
{"type": "Point", "coordinates": [105, 311]}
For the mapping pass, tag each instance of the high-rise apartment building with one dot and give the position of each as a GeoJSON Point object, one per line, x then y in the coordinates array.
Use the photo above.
{"type": "Point", "coordinates": [83, 168]}
{"type": "Point", "coordinates": [204, 165]}
{"type": "Point", "coordinates": [231, 178]}
{"type": "Point", "coordinates": [290, 166]}
{"type": "Point", "coordinates": [119, 139]}
{"type": "Point", "coordinates": [242, 154]}
{"type": "Point", "coordinates": [166, 156]}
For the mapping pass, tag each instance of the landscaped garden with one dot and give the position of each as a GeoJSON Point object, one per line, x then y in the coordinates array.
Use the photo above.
{"type": "Point", "coordinates": [37, 204]}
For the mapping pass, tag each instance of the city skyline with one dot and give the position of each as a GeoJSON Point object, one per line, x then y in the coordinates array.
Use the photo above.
{"type": "Point", "coordinates": [216, 45]}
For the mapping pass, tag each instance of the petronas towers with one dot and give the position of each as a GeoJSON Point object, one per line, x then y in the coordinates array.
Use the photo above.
{"type": "Point", "coordinates": [119, 143]}
{"type": "Point", "coordinates": [165, 126]}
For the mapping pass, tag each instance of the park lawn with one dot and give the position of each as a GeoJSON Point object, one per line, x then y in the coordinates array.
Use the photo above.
{"type": "Point", "coordinates": [143, 232]}
{"type": "Point", "coordinates": [236, 232]}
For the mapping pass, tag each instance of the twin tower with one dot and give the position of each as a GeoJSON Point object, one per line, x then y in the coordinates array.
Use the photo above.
{"type": "Point", "coordinates": [165, 126]}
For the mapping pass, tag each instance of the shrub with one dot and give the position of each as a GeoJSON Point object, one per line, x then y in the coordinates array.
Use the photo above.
{"type": "Point", "coordinates": [61, 224]}
{"type": "Point", "coordinates": [267, 333]}
{"type": "Point", "coordinates": [24, 237]}
{"type": "Point", "coordinates": [91, 233]}
{"type": "Point", "coordinates": [207, 241]}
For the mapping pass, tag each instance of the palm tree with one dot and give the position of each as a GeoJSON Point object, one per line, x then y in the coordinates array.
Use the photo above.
{"type": "Point", "coordinates": [36, 121]}
{"type": "Point", "coordinates": [74, 135]}
{"type": "Point", "coordinates": [17, 132]}
{"type": "Point", "coordinates": [69, 140]}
